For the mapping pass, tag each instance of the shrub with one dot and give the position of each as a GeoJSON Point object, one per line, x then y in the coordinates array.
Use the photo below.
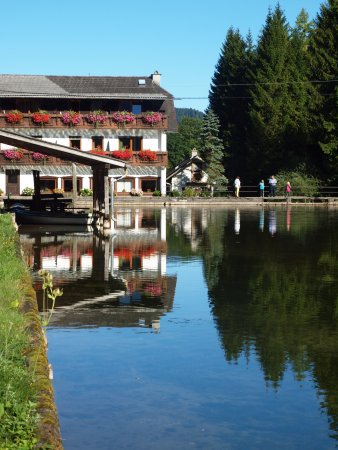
{"type": "Point", "coordinates": [190, 192]}
{"type": "Point", "coordinates": [302, 183]}
{"type": "Point", "coordinates": [157, 193]}
{"type": "Point", "coordinates": [86, 192]}
{"type": "Point", "coordinates": [1, 192]}
{"type": "Point", "coordinates": [27, 191]}
{"type": "Point", "coordinates": [175, 193]}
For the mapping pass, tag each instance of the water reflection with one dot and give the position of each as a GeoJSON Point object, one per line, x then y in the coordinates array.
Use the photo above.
{"type": "Point", "coordinates": [273, 303]}
{"type": "Point", "coordinates": [116, 280]}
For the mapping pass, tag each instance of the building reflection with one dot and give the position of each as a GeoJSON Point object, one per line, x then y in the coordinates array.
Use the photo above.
{"type": "Point", "coordinates": [116, 280]}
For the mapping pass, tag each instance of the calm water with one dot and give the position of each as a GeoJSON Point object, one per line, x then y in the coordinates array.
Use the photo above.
{"type": "Point", "coordinates": [195, 329]}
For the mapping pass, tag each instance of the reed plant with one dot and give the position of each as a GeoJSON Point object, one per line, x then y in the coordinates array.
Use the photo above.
{"type": "Point", "coordinates": [18, 413]}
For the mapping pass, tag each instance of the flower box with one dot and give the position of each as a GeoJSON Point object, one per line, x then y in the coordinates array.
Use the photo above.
{"type": "Point", "coordinates": [14, 117]}
{"type": "Point", "coordinates": [40, 118]}
{"type": "Point", "coordinates": [14, 154]}
{"type": "Point", "coordinates": [147, 155]}
{"type": "Point", "coordinates": [71, 118]}
{"type": "Point", "coordinates": [36, 156]}
{"type": "Point", "coordinates": [97, 118]}
{"type": "Point", "coordinates": [152, 118]}
{"type": "Point", "coordinates": [123, 117]}
{"type": "Point", "coordinates": [125, 155]}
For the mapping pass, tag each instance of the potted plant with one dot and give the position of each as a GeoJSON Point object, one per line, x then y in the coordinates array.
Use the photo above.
{"type": "Point", "coordinates": [40, 118]}
{"type": "Point", "coordinates": [14, 116]}
{"type": "Point", "coordinates": [96, 118]}
{"type": "Point", "coordinates": [152, 118]}
{"type": "Point", "coordinates": [147, 155]}
{"type": "Point", "coordinates": [14, 154]}
{"type": "Point", "coordinates": [27, 191]}
{"type": "Point", "coordinates": [125, 155]}
{"type": "Point", "coordinates": [123, 117]}
{"type": "Point", "coordinates": [86, 192]}
{"type": "Point", "coordinates": [71, 118]}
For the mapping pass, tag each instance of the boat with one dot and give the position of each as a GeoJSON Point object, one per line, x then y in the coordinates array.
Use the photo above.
{"type": "Point", "coordinates": [24, 216]}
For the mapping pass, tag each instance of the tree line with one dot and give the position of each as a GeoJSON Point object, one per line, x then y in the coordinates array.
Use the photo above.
{"type": "Point", "coordinates": [275, 101]}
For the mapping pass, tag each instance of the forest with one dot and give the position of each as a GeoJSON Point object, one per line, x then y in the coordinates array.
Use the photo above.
{"type": "Point", "coordinates": [273, 103]}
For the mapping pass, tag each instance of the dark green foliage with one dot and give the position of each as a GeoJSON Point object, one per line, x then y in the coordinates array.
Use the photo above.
{"type": "Point", "coordinates": [302, 183]}
{"type": "Point", "coordinates": [324, 62]}
{"type": "Point", "coordinates": [212, 150]}
{"type": "Point", "coordinates": [277, 102]}
{"type": "Point", "coordinates": [228, 96]}
{"type": "Point", "coordinates": [188, 112]}
{"type": "Point", "coordinates": [181, 144]}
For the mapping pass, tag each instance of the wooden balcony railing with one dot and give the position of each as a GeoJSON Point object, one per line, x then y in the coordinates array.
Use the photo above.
{"type": "Point", "coordinates": [27, 159]}
{"type": "Point", "coordinates": [56, 122]}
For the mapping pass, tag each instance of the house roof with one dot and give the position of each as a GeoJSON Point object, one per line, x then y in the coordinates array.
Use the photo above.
{"type": "Point", "coordinates": [183, 165]}
{"type": "Point", "coordinates": [54, 86]}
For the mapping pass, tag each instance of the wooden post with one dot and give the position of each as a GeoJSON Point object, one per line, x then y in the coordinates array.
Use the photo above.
{"type": "Point", "coordinates": [36, 204]}
{"type": "Point", "coordinates": [74, 176]}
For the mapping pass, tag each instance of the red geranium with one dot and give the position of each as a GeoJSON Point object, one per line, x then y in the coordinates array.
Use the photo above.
{"type": "Point", "coordinates": [125, 155]}
{"type": "Point", "coordinates": [147, 155]}
{"type": "Point", "coordinates": [14, 116]}
{"type": "Point", "coordinates": [40, 117]}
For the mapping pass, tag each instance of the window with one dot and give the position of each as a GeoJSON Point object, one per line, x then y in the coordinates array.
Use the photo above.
{"type": "Point", "coordinates": [136, 108]}
{"type": "Point", "coordinates": [149, 185]}
{"type": "Point", "coordinates": [123, 186]}
{"type": "Point", "coordinates": [97, 142]}
{"type": "Point", "coordinates": [47, 184]}
{"type": "Point", "coordinates": [130, 143]}
{"type": "Point", "coordinates": [75, 142]}
{"type": "Point", "coordinates": [68, 184]}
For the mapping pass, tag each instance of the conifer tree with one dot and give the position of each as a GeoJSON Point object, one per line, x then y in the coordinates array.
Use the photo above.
{"type": "Point", "coordinates": [228, 95]}
{"type": "Point", "coordinates": [324, 62]}
{"type": "Point", "coordinates": [212, 150]}
{"type": "Point", "coordinates": [271, 105]}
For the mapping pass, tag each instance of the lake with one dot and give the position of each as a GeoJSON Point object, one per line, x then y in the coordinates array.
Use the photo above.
{"type": "Point", "coordinates": [195, 328]}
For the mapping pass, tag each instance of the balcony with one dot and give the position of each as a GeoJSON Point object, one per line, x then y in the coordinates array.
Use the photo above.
{"type": "Point", "coordinates": [56, 122]}
{"type": "Point", "coordinates": [27, 159]}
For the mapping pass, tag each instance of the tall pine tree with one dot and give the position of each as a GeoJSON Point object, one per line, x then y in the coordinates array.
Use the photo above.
{"type": "Point", "coordinates": [211, 148]}
{"type": "Point", "coordinates": [270, 109]}
{"type": "Point", "coordinates": [324, 59]}
{"type": "Point", "coordinates": [228, 96]}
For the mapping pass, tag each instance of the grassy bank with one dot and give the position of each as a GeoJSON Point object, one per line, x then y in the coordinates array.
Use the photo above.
{"type": "Point", "coordinates": [18, 407]}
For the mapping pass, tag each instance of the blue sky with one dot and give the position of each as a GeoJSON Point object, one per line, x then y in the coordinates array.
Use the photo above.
{"type": "Point", "coordinates": [181, 39]}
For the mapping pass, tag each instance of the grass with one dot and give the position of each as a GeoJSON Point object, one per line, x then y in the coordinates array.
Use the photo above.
{"type": "Point", "coordinates": [18, 415]}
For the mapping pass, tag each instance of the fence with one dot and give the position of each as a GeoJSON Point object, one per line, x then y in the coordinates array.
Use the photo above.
{"type": "Point", "coordinates": [253, 191]}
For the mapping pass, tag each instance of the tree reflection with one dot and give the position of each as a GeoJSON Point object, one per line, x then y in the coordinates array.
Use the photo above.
{"type": "Point", "coordinates": [275, 300]}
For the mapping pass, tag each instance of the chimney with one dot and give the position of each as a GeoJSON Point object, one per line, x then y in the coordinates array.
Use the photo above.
{"type": "Point", "coordinates": [156, 77]}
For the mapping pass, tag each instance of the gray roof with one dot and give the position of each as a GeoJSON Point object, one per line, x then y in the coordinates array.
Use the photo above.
{"type": "Point", "coordinates": [53, 86]}
{"type": "Point", "coordinates": [182, 165]}
{"type": "Point", "coordinates": [64, 170]}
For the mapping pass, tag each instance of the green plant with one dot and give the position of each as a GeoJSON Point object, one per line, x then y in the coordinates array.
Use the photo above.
{"type": "Point", "coordinates": [190, 192]}
{"type": "Point", "coordinates": [302, 183]}
{"type": "Point", "coordinates": [86, 192]}
{"type": "Point", "coordinates": [1, 192]}
{"type": "Point", "coordinates": [49, 293]}
{"type": "Point", "coordinates": [18, 414]}
{"type": "Point", "coordinates": [175, 193]}
{"type": "Point", "coordinates": [27, 191]}
{"type": "Point", "coordinates": [157, 193]}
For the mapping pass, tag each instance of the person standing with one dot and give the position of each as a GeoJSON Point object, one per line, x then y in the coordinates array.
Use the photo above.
{"type": "Point", "coordinates": [288, 189]}
{"type": "Point", "coordinates": [261, 188]}
{"type": "Point", "coordinates": [237, 185]}
{"type": "Point", "coordinates": [272, 184]}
